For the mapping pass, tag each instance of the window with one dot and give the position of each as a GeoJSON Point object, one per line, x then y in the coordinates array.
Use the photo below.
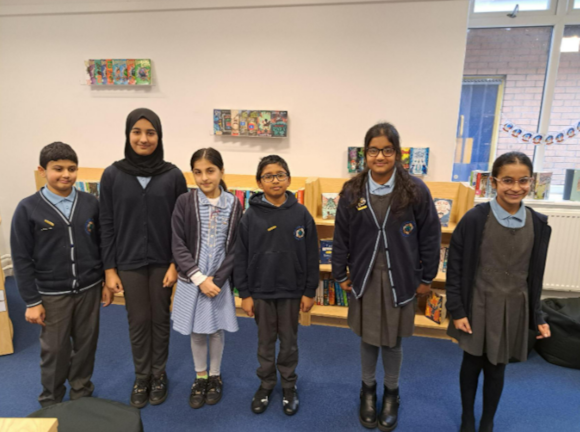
{"type": "Point", "coordinates": [509, 5]}
{"type": "Point", "coordinates": [576, 4]}
{"type": "Point", "coordinates": [514, 58]}
{"type": "Point", "coordinates": [565, 113]}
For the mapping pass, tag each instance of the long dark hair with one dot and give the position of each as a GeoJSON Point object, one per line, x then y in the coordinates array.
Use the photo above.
{"type": "Point", "coordinates": [511, 158]}
{"type": "Point", "coordinates": [405, 192]}
{"type": "Point", "coordinates": [211, 155]}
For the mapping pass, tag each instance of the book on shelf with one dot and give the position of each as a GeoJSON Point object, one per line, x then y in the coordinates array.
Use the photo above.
{"type": "Point", "coordinates": [143, 72]}
{"type": "Point", "coordinates": [329, 293]}
{"type": "Point", "coordinates": [120, 71]}
{"type": "Point", "coordinates": [406, 157]}
{"type": "Point", "coordinates": [435, 309]}
{"type": "Point", "coordinates": [92, 187]}
{"type": "Point", "coordinates": [352, 163]}
{"type": "Point", "coordinates": [419, 161]}
{"type": "Point", "coordinates": [325, 251]}
{"type": "Point", "coordinates": [443, 257]}
{"type": "Point", "coordinates": [246, 194]}
{"type": "Point", "coordinates": [279, 124]}
{"type": "Point", "coordinates": [572, 185]}
{"type": "Point", "coordinates": [541, 185]}
{"type": "Point", "coordinates": [443, 207]}
{"type": "Point", "coordinates": [329, 205]}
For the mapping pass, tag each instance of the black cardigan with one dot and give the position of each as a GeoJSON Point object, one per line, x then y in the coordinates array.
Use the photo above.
{"type": "Point", "coordinates": [136, 222]}
{"type": "Point", "coordinates": [412, 242]}
{"type": "Point", "coordinates": [463, 261]}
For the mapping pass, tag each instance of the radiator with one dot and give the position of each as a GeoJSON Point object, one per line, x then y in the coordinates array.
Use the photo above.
{"type": "Point", "coordinates": [563, 265]}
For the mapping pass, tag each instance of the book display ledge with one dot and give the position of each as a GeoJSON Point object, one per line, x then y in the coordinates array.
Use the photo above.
{"type": "Point", "coordinates": [462, 197]}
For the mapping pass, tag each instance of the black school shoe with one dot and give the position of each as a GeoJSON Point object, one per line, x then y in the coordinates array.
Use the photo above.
{"type": "Point", "coordinates": [367, 414]}
{"type": "Point", "coordinates": [261, 400]}
{"type": "Point", "coordinates": [198, 392]}
{"type": "Point", "coordinates": [214, 390]}
{"type": "Point", "coordinates": [159, 387]}
{"type": "Point", "coordinates": [290, 402]}
{"type": "Point", "coordinates": [388, 418]}
{"type": "Point", "coordinates": [140, 393]}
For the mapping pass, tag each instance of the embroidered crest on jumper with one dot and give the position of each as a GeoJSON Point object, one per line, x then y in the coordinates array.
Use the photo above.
{"type": "Point", "coordinates": [362, 204]}
{"type": "Point", "coordinates": [407, 228]}
{"type": "Point", "coordinates": [89, 226]}
{"type": "Point", "coordinates": [299, 233]}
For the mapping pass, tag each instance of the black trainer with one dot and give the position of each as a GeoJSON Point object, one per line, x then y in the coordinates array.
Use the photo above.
{"type": "Point", "coordinates": [214, 390]}
{"type": "Point", "coordinates": [159, 387]}
{"type": "Point", "coordinates": [290, 401]}
{"type": "Point", "coordinates": [198, 391]}
{"type": "Point", "coordinates": [261, 400]}
{"type": "Point", "coordinates": [140, 393]}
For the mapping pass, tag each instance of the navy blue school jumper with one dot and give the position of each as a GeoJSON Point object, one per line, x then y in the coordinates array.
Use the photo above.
{"type": "Point", "coordinates": [57, 264]}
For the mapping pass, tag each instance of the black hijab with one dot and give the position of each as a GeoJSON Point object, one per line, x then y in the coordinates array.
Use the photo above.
{"type": "Point", "coordinates": [143, 166]}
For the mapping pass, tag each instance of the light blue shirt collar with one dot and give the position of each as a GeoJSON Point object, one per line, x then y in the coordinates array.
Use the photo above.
{"type": "Point", "coordinates": [222, 201]}
{"type": "Point", "coordinates": [379, 189]}
{"type": "Point", "coordinates": [266, 200]}
{"type": "Point", "coordinates": [57, 199]}
{"type": "Point", "coordinates": [506, 219]}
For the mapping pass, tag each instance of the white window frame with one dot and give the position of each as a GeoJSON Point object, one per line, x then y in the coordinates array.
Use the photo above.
{"type": "Point", "coordinates": [561, 14]}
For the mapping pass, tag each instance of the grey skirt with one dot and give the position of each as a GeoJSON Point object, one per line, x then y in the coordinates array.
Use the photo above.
{"type": "Point", "coordinates": [374, 317]}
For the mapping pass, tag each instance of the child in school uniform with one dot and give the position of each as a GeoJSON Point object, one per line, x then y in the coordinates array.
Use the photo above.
{"type": "Point", "coordinates": [495, 273]}
{"type": "Point", "coordinates": [138, 194]}
{"type": "Point", "coordinates": [57, 265]}
{"type": "Point", "coordinates": [205, 224]}
{"type": "Point", "coordinates": [386, 247]}
{"type": "Point", "coordinates": [276, 272]}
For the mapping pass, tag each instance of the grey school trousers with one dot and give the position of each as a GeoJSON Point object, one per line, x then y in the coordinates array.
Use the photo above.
{"type": "Point", "coordinates": [68, 344]}
{"type": "Point", "coordinates": [277, 319]}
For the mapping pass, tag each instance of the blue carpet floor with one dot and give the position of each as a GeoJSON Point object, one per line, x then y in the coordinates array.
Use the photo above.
{"type": "Point", "coordinates": [538, 396]}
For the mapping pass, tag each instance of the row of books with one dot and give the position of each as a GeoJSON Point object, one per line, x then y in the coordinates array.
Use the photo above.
{"type": "Point", "coordinates": [329, 293]}
{"type": "Point", "coordinates": [244, 195]}
{"type": "Point", "coordinates": [118, 72]}
{"type": "Point", "coordinates": [415, 160]}
{"type": "Point", "coordinates": [539, 189]}
{"type": "Point", "coordinates": [443, 258]}
{"type": "Point", "coordinates": [250, 123]}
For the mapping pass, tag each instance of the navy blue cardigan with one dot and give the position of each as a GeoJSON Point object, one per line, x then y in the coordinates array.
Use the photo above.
{"type": "Point", "coordinates": [464, 259]}
{"type": "Point", "coordinates": [412, 242]}
{"type": "Point", "coordinates": [53, 255]}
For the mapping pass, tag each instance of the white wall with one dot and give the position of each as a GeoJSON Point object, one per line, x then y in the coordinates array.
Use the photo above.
{"type": "Point", "coordinates": [337, 69]}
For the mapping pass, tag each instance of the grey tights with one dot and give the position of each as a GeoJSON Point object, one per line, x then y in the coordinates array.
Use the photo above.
{"type": "Point", "coordinates": [216, 350]}
{"type": "Point", "coordinates": [392, 359]}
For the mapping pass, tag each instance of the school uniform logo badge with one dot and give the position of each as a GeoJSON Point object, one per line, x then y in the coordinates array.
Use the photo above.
{"type": "Point", "coordinates": [362, 204]}
{"type": "Point", "coordinates": [89, 226]}
{"type": "Point", "coordinates": [299, 233]}
{"type": "Point", "coordinates": [407, 228]}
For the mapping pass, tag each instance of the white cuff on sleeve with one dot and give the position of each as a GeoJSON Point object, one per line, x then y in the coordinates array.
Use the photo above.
{"type": "Point", "coordinates": [198, 278]}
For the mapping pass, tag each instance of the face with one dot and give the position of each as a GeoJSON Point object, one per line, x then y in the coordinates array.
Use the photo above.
{"type": "Point", "coordinates": [60, 175]}
{"type": "Point", "coordinates": [380, 164]}
{"type": "Point", "coordinates": [512, 194]}
{"type": "Point", "coordinates": [143, 138]}
{"type": "Point", "coordinates": [207, 176]}
{"type": "Point", "coordinates": [274, 187]}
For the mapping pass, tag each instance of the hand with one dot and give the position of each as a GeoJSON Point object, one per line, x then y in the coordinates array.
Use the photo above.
{"type": "Point", "coordinates": [346, 285]}
{"type": "Point", "coordinates": [36, 315]}
{"type": "Point", "coordinates": [423, 290]}
{"type": "Point", "coordinates": [209, 288]}
{"type": "Point", "coordinates": [248, 306]}
{"type": "Point", "coordinates": [463, 325]}
{"type": "Point", "coordinates": [170, 277]}
{"type": "Point", "coordinates": [106, 296]}
{"type": "Point", "coordinates": [544, 330]}
{"type": "Point", "coordinates": [306, 304]}
{"type": "Point", "coordinates": [112, 281]}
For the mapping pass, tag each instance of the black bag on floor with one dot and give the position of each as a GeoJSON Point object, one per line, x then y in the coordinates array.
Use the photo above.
{"type": "Point", "coordinates": [90, 414]}
{"type": "Point", "coordinates": [563, 347]}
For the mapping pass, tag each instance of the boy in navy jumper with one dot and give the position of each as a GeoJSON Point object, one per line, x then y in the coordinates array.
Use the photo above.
{"type": "Point", "coordinates": [57, 265]}
{"type": "Point", "coordinates": [276, 272]}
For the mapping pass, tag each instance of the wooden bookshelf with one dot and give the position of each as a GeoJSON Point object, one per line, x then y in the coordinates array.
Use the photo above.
{"type": "Point", "coordinates": [463, 199]}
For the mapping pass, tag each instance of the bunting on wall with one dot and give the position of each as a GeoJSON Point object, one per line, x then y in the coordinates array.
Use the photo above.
{"type": "Point", "coordinates": [526, 137]}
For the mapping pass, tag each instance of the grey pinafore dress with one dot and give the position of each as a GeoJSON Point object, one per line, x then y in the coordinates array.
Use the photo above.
{"type": "Point", "coordinates": [500, 315]}
{"type": "Point", "coordinates": [374, 317]}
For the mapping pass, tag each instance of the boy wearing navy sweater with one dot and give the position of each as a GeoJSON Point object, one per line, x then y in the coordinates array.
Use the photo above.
{"type": "Point", "coordinates": [276, 272]}
{"type": "Point", "coordinates": [57, 265]}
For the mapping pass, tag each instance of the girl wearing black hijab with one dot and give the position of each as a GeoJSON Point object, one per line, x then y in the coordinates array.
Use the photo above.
{"type": "Point", "coordinates": [138, 194]}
